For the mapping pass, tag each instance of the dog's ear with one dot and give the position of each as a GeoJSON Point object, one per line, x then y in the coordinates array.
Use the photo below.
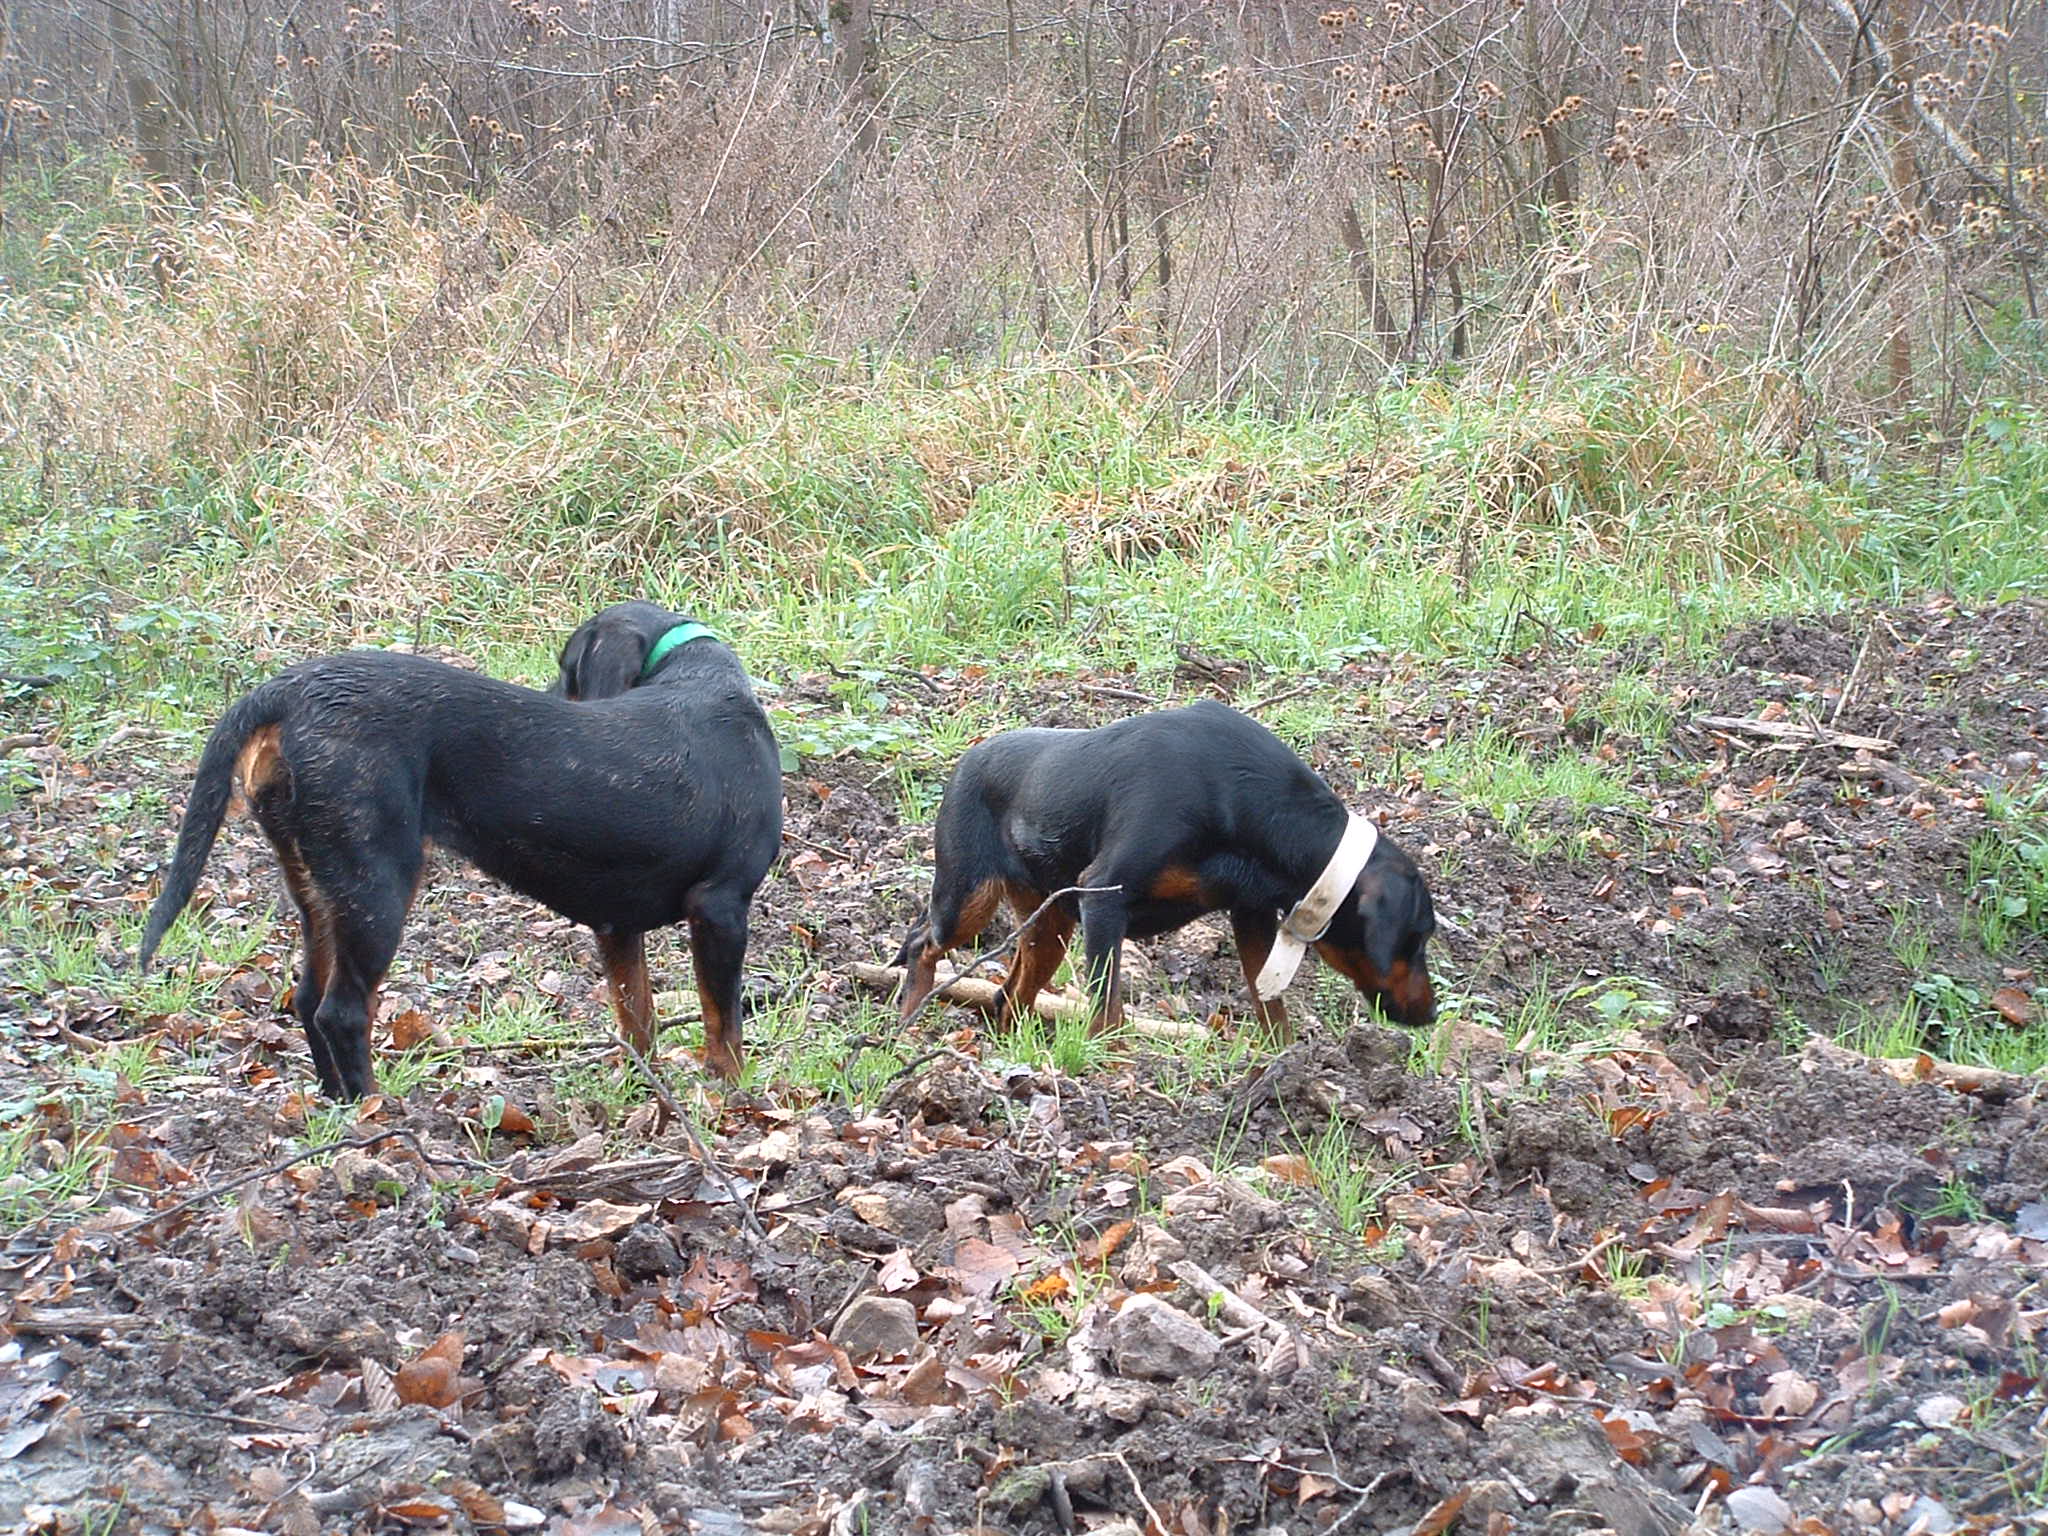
{"type": "Point", "coordinates": [601, 661]}
{"type": "Point", "coordinates": [1394, 905]}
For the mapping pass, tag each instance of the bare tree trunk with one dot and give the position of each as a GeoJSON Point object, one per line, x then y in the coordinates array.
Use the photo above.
{"type": "Point", "coordinates": [1906, 192]}
{"type": "Point", "coordinates": [1366, 275]}
{"type": "Point", "coordinates": [149, 114]}
{"type": "Point", "coordinates": [854, 67]}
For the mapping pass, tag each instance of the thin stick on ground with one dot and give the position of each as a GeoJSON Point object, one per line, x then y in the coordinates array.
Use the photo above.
{"type": "Point", "coordinates": [325, 1148]}
{"type": "Point", "coordinates": [1139, 1489]}
{"type": "Point", "coordinates": [670, 1103]}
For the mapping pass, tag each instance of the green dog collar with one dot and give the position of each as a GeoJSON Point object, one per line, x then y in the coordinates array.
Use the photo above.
{"type": "Point", "coordinates": [681, 635]}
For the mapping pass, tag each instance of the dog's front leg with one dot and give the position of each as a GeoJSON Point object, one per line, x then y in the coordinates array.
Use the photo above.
{"type": "Point", "coordinates": [1254, 932]}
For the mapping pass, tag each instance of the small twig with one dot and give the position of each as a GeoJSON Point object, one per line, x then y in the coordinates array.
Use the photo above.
{"type": "Point", "coordinates": [1107, 691]}
{"type": "Point", "coordinates": [1358, 1507]}
{"type": "Point", "coordinates": [1234, 1307]}
{"type": "Point", "coordinates": [718, 1175]}
{"type": "Point", "coordinates": [354, 1144]}
{"type": "Point", "coordinates": [534, 1046]}
{"type": "Point", "coordinates": [57, 1325]}
{"type": "Point", "coordinates": [1790, 730]}
{"type": "Point", "coordinates": [1849, 687]}
{"type": "Point", "coordinates": [1281, 697]}
{"type": "Point", "coordinates": [1138, 1488]}
{"type": "Point", "coordinates": [1556, 1271]}
{"type": "Point", "coordinates": [18, 743]}
{"type": "Point", "coordinates": [816, 847]}
{"type": "Point", "coordinates": [126, 733]}
{"type": "Point", "coordinates": [240, 1421]}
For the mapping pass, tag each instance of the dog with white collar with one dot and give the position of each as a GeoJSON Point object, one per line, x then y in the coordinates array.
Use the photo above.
{"type": "Point", "coordinates": [1150, 823]}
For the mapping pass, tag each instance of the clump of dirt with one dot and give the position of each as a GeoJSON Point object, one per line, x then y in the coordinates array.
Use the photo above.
{"type": "Point", "coordinates": [1625, 1239]}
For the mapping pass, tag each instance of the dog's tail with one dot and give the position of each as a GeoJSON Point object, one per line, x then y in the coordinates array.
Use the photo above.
{"type": "Point", "coordinates": [204, 812]}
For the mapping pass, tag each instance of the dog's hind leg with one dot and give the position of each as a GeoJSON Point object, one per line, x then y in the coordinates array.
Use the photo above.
{"type": "Point", "coordinates": [366, 926]}
{"type": "Point", "coordinates": [718, 949]}
{"type": "Point", "coordinates": [316, 965]}
{"type": "Point", "coordinates": [1105, 918]}
{"type": "Point", "coordinates": [625, 972]}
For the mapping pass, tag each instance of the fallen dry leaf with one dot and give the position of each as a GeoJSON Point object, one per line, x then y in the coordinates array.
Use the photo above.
{"type": "Point", "coordinates": [598, 1218]}
{"type": "Point", "coordinates": [433, 1376]}
{"type": "Point", "coordinates": [979, 1268]}
{"type": "Point", "coordinates": [2017, 1008]}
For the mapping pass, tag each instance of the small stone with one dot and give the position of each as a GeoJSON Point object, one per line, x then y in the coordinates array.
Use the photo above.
{"type": "Point", "coordinates": [521, 1517]}
{"type": "Point", "coordinates": [1150, 1250]}
{"type": "Point", "coordinates": [647, 1251]}
{"type": "Point", "coordinates": [363, 1177]}
{"type": "Point", "coordinates": [877, 1327]}
{"type": "Point", "coordinates": [1940, 1411]}
{"type": "Point", "coordinates": [1929, 1517]}
{"type": "Point", "coordinates": [1759, 1509]}
{"type": "Point", "coordinates": [1150, 1339]}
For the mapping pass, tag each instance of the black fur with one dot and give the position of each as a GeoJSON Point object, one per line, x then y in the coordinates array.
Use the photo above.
{"type": "Point", "coordinates": [621, 802]}
{"type": "Point", "coordinates": [1185, 811]}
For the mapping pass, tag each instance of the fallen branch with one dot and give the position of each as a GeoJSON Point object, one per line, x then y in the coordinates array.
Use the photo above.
{"type": "Point", "coordinates": [1234, 1309]}
{"type": "Point", "coordinates": [980, 993]}
{"type": "Point", "coordinates": [1281, 697]}
{"type": "Point", "coordinates": [1890, 775]}
{"type": "Point", "coordinates": [670, 1104]}
{"type": "Point", "coordinates": [1106, 691]}
{"type": "Point", "coordinates": [324, 1149]}
{"type": "Point", "coordinates": [1988, 1081]}
{"type": "Point", "coordinates": [1014, 935]}
{"type": "Point", "coordinates": [1791, 730]}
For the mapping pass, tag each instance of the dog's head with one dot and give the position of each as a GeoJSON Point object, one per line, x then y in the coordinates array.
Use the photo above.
{"type": "Point", "coordinates": [604, 657]}
{"type": "Point", "coordinates": [1377, 937]}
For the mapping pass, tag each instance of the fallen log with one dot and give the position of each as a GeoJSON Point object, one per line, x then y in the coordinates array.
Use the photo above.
{"type": "Point", "coordinates": [976, 992]}
{"type": "Point", "coordinates": [1792, 730]}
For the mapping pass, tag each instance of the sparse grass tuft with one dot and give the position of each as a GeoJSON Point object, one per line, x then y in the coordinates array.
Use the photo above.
{"type": "Point", "coordinates": [1525, 793]}
{"type": "Point", "coordinates": [2008, 874]}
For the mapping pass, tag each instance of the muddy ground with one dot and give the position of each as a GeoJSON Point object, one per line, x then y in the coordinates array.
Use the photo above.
{"type": "Point", "coordinates": [1673, 1261]}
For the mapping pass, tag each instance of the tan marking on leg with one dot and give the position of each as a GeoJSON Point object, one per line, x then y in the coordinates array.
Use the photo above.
{"type": "Point", "coordinates": [1254, 945]}
{"type": "Point", "coordinates": [1176, 882]}
{"type": "Point", "coordinates": [922, 974]}
{"type": "Point", "coordinates": [1040, 949]}
{"type": "Point", "coordinates": [316, 912]}
{"type": "Point", "coordinates": [625, 971]}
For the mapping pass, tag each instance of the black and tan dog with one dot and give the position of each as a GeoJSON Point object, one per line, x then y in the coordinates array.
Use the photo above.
{"type": "Point", "coordinates": [644, 789]}
{"type": "Point", "coordinates": [1165, 817]}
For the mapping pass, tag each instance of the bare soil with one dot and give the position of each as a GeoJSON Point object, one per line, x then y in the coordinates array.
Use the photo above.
{"type": "Point", "coordinates": [1688, 1264]}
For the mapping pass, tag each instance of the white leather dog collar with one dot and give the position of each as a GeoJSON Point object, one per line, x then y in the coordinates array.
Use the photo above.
{"type": "Point", "coordinates": [1310, 918]}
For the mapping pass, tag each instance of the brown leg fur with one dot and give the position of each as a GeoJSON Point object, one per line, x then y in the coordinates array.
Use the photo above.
{"type": "Point", "coordinates": [1039, 951]}
{"type": "Point", "coordinates": [1254, 933]}
{"type": "Point", "coordinates": [922, 974]}
{"type": "Point", "coordinates": [625, 971]}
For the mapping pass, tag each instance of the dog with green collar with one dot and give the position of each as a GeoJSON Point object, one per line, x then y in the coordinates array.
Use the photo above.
{"type": "Point", "coordinates": [643, 789]}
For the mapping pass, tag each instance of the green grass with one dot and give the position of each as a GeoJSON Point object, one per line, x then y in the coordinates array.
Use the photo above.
{"type": "Point", "coordinates": [1352, 1186]}
{"type": "Point", "coordinates": [1490, 770]}
{"type": "Point", "coordinates": [2007, 875]}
